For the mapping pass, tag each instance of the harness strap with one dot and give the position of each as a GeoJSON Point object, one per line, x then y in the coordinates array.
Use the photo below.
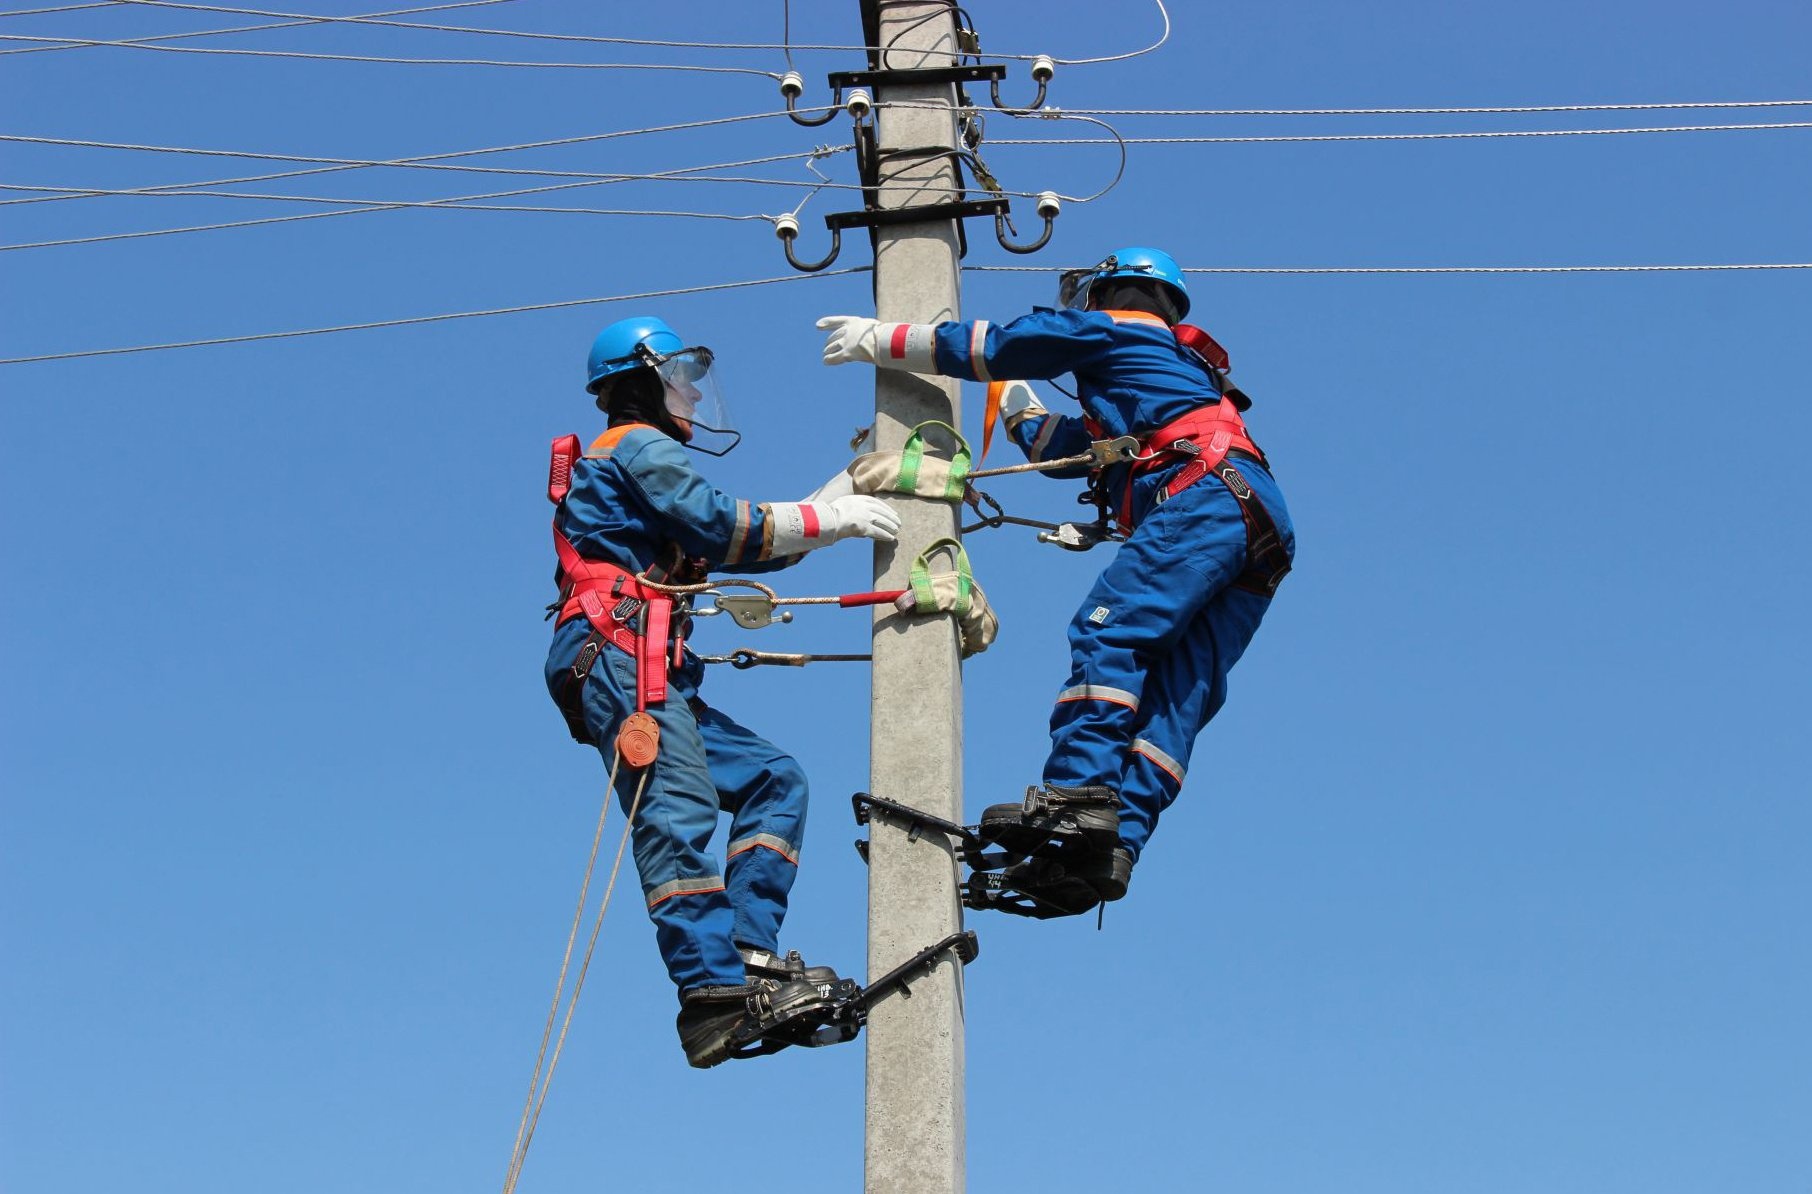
{"type": "Point", "coordinates": [608, 596]}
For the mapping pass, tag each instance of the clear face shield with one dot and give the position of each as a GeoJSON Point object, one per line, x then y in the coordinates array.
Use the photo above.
{"type": "Point", "coordinates": [689, 384]}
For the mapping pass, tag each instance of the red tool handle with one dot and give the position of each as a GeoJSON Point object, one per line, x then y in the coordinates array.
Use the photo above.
{"type": "Point", "coordinates": [881, 598]}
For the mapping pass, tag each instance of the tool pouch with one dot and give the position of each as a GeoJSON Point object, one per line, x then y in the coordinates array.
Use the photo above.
{"type": "Point", "coordinates": [913, 471]}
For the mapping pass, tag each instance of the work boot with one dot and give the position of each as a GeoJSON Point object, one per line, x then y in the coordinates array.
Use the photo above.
{"type": "Point", "coordinates": [709, 1018]}
{"type": "Point", "coordinates": [1055, 815]}
{"type": "Point", "coordinates": [1068, 883]}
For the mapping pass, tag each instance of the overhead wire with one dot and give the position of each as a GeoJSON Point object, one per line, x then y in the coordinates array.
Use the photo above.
{"type": "Point", "coordinates": [1432, 269]}
{"type": "Point", "coordinates": [1453, 136]}
{"type": "Point", "coordinates": [395, 61]}
{"type": "Point", "coordinates": [1523, 109]}
{"type": "Point", "coordinates": [163, 37]}
{"type": "Point", "coordinates": [455, 202]}
{"type": "Point", "coordinates": [33, 12]}
{"type": "Point", "coordinates": [441, 318]}
{"type": "Point", "coordinates": [330, 165]}
{"type": "Point", "coordinates": [379, 19]}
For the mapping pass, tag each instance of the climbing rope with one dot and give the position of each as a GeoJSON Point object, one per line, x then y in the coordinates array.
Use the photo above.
{"type": "Point", "coordinates": [538, 1085]}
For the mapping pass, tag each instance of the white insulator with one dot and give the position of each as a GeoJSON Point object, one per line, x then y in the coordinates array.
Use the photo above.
{"type": "Point", "coordinates": [786, 227]}
{"type": "Point", "coordinates": [792, 84]}
{"type": "Point", "coordinates": [859, 104]}
{"type": "Point", "coordinates": [1049, 207]}
{"type": "Point", "coordinates": [1043, 67]}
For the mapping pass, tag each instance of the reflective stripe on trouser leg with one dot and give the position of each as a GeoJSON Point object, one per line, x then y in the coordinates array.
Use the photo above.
{"type": "Point", "coordinates": [1133, 629]}
{"type": "Point", "coordinates": [1183, 691]}
{"type": "Point", "coordinates": [671, 839]}
{"type": "Point", "coordinates": [765, 792]}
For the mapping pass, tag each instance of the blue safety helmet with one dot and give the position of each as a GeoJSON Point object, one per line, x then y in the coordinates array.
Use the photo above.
{"type": "Point", "coordinates": [1074, 285]}
{"type": "Point", "coordinates": [640, 340]}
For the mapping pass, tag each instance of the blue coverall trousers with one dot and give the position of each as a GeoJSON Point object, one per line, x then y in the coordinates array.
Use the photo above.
{"type": "Point", "coordinates": [1151, 647]}
{"type": "Point", "coordinates": [708, 764]}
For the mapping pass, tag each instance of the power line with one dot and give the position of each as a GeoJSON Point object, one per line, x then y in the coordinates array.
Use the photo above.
{"type": "Point", "coordinates": [1688, 128]}
{"type": "Point", "coordinates": [457, 202]}
{"type": "Point", "coordinates": [587, 180]}
{"type": "Point", "coordinates": [1523, 109]}
{"type": "Point", "coordinates": [32, 12]}
{"type": "Point", "coordinates": [394, 323]}
{"type": "Point", "coordinates": [400, 12]}
{"type": "Point", "coordinates": [377, 19]}
{"type": "Point", "coordinates": [297, 54]}
{"type": "Point", "coordinates": [432, 161]}
{"type": "Point", "coordinates": [368, 205]}
{"type": "Point", "coordinates": [1432, 269]}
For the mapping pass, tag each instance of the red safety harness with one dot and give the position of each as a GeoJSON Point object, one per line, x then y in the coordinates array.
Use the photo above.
{"type": "Point", "coordinates": [1212, 440]}
{"type": "Point", "coordinates": [609, 597]}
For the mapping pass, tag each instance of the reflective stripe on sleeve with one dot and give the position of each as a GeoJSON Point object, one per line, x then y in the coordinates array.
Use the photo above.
{"type": "Point", "coordinates": [978, 342]}
{"type": "Point", "coordinates": [1099, 692]}
{"type": "Point", "coordinates": [679, 887]}
{"type": "Point", "coordinates": [1164, 761]}
{"type": "Point", "coordinates": [778, 845]}
{"type": "Point", "coordinates": [741, 534]}
{"type": "Point", "coordinates": [1042, 440]}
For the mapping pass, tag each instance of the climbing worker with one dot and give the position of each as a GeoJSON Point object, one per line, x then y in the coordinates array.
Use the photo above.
{"type": "Point", "coordinates": [1207, 541]}
{"type": "Point", "coordinates": [634, 519]}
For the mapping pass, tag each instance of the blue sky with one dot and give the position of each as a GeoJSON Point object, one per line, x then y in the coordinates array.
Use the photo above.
{"type": "Point", "coordinates": [1489, 878]}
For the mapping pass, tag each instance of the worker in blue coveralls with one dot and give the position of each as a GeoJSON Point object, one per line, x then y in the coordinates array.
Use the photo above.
{"type": "Point", "coordinates": [633, 509]}
{"type": "Point", "coordinates": [1208, 539]}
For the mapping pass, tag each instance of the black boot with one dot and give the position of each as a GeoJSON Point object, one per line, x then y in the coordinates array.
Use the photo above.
{"type": "Point", "coordinates": [1055, 817]}
{"type": "Point", "coordinates": [710, 1019]}
{"type": "Point", "coordinates": [1069, 883]}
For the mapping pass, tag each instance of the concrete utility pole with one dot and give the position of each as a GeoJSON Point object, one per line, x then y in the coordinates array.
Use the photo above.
{"type": "Point", "coordinates": [915, 1045]}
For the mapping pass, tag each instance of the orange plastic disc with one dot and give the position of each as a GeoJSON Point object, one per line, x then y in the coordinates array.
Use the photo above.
{"type": "Point", "coordinates": [639, 738]}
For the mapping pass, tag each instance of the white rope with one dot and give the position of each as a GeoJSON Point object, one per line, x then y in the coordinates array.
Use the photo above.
{"type": "Point", "coordinates": [418, 319]}
{"type": "Point", "coordinates": [297, 54]}
{"type": "Point", "coordinates": [1688, 128]}
{"type": "Point", "coordinates": [1426, 269]}
{"type": "Point", "coordinates": [525, 1132]}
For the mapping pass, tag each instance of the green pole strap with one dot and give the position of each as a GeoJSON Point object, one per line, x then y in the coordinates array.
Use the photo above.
{"type": "Point", "coordinates": [912, 458]}
{"type": "Point", "coordinates": [924, 596]}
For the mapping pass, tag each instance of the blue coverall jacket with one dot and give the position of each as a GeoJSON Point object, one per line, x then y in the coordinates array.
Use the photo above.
{"type": "Point", "coordinates": [641, 505]}
{"type": "Point", "coordinates": [1152, 643]}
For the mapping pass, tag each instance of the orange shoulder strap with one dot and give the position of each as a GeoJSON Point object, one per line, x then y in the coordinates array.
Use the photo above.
{"type": "Point", "coordinates": [606, 443]}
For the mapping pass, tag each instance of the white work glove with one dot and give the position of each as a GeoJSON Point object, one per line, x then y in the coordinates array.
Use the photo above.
{"type": "Point", "coordinates": [806, 526]}
{"type": "Point", "coordinates": [855, 338]}
{"type": "Point", "coordinates": [841, 485]}
{"type": "Point", "coordinates": [864, 515]}
{"type": "Point", "coordinates": [852, 339]}
{"type": "Point", "coordinates": [1017, 402]}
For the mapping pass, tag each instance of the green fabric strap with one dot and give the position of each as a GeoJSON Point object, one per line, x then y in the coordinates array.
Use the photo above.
{"type": "Point", "coordinates": [924, 599]}
{"type": "Point", "coordinates": [912, 456]}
